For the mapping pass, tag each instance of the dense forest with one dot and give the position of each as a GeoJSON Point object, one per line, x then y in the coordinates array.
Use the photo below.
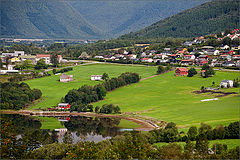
{"type": "Point", "coordinates": [211, 17]}
{"type": "Point", "coordinates": [16, 96]}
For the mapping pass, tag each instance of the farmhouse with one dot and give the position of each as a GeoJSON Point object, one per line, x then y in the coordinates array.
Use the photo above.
{"type": "Point", "coordinates": [47, 58]}
{"type": "Point", "coordinates": [63, 106]}
{"type": "Point", "coordinates": [226, 83]}
{"type": "Point", "coordinates": [96, 77]}
{"type": "Point", "coordinates": [181, 72]}
{"type": "Point", "coordinates": [66, 78]}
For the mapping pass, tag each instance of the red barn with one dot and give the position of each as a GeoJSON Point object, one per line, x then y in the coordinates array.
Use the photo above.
{"type": "Point", "coordinates": [181, 72]}
{"type": "Point", "coordinates": [63, 106]}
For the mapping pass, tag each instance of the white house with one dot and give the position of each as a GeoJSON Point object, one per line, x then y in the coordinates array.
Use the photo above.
{"type": "Point", "coordinates": [15, 54]}
{"type": "Point", "coordinates": [96, 77]}
{"type": "Point", "coordinates": [226, 83]}
{"type": "Point", "coordinates": [224, 47]}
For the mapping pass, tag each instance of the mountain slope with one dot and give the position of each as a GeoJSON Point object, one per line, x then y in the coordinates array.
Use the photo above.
{"type": "Point", "coordinates": [44, 19]}
{"type": "Point", "coordinates": [210, 17]}
{"type": "Point", "coordinates": [117, 17]}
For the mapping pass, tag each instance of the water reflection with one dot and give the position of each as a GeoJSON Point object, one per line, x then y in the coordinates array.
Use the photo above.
{"type": "Point", "coordinates": [74, 129]}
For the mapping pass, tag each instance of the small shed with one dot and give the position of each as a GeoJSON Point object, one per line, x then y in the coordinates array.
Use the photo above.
{"type": "Point", "coordinates": [66, 78]}
{"type": "Point", "coordinates": [63, 106]}
{"type": "Point", "coordinates": [226, 83]}
{"type": "Point", "coordinates": [181, 72]}
{"type": "Point", "coordinates": [96, 77]}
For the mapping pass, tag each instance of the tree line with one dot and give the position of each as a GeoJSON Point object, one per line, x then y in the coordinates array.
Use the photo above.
{"type": "Point", "coordinates": [135, 145]}
{"type": "Point", "coordinates": [81, 97]}
{"type": "Point", "coordinates": [16, 96]}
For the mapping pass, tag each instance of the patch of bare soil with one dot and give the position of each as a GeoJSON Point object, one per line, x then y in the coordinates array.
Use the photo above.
{"type": "Point", "coordinates": [219, 93]}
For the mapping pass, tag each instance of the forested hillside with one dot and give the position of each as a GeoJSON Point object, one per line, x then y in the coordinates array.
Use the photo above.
{"type": "Point", "coordinates": [117, 17]}
{"type": "Point", "coordinates": [82, 19]}
{"type": "Point", "coordinates": [44, 19]}
{"type": "Point", "coordinates": [207, 18]}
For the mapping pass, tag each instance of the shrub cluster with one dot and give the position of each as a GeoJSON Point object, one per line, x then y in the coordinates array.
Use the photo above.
{"type": "Point", "coordinates": [87, 94]}
{"type": "Point", "coordinates": [16, 96]}
{"type": "Point", "coordinates": [162, 69]}
{"type": "Point", "coordinates": [62, 70]}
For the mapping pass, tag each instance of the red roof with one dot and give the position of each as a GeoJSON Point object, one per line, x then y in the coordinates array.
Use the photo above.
{"type": "Point", "coordinates": [173, 55]}
{"type": "Point", "coordinates": [187, 60]}
{"type": "Point", "coordinates": [183, 69]}
{"type": "Point", "coordinates": [42, 55]}
{"type": "Point", "coordinates": [203, 71]}
{"type": "Point", "coordinates": [236, 55]}
{"type": "Point", "coordinates": [46, 55]}
{"type": "Point", "coordinates": [204, 62]}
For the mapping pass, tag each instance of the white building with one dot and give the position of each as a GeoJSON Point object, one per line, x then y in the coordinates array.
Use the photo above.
{"type": "Point", "coordinates": [15, 54]}
{"type": "Point", "coordinates": [225, 83]}
{"type": "Point", "coordinates": [96, 77]}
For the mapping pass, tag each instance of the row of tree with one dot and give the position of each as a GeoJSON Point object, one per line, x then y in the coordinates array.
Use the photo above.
{"type": "Point", "coordinates": [133, 145]}
{"type": "Point", "coordinates": [170, 133]}
{"type": "Point", "coordinates": [79, 98]}
{"type": "Point", "coordinates": [16, 96]}
{"type": "Point", "coordinates": [62, 70]}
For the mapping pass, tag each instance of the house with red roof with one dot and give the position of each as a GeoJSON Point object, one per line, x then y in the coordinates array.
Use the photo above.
{"type": "Point", "coordinates": [47, 58]}
{"type": "Point", "coordinates": [181, 72]}
{"type": "Point", "coordinates": [147, 60]}
{"type": "Point", "coordinates": [63, 106]}
{"type": "Point", "coordinates": [236, 57]}
{"type": "Point", "coordinates": [187, 62]}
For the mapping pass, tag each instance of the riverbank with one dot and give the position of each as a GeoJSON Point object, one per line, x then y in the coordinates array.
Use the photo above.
{"type": "Point", "coordinates": [146, 125]}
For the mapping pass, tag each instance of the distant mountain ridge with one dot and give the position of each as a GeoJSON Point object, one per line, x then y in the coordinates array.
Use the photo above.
{"type": "Point", "coordinates": [83, 19]}
{"type": "Point", "coordinates": [210, 17]}
{"type": "Point", "coordinates": [44, 19]}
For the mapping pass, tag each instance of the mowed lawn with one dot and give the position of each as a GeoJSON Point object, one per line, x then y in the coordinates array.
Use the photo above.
{"type": "Point", "coordinates": [170, 98]}
{"type": "Point", "coordinates": [53, 90]}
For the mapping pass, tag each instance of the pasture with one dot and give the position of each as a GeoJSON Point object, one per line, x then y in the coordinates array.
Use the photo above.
{"type": "Point", "coordinates": [170, 98]}
{"type": "Point", "coordinates": [53, 90]}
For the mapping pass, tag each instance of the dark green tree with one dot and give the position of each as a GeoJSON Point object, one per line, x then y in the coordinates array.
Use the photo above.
{"type": "Point", "coordinates": [105, 76]}
{"type": "Point", "coordinates": [54, 59]}
{"type": "Point", "coordinates": [192, 72]}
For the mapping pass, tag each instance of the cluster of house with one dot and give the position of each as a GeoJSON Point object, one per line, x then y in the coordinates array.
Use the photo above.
{"type": "Point", "coordinates": [19, 57]}
{"type": "Point", "coordinates": [223, 55]}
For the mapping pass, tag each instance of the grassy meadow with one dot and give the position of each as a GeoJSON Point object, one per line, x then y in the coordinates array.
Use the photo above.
{"type": "Point", "coordinates": [164, 97]}
{"type": "Point", "coordinates": [170, 98]}
{"type": "Point", "coordinates": [53, 90]}
{"type": "Point", "coordinates": [231, 143]}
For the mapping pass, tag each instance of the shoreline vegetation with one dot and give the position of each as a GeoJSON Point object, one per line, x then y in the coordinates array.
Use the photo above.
{"type": "Point", "coordinates": [146, 125]}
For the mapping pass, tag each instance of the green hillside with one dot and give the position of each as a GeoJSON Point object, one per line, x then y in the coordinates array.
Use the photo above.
{"type": "Point", "coordinates": [95, 19]}
{"type": "Point", "coordinates": [44, 19]}
{"type": "Point", "coordinates": [210, 17]}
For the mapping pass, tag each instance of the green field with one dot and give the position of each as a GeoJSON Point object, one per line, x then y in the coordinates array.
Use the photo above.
{"type": "Point", "coordinates": [170, 98]}
{"type": "Point", "coordinates": [164, 97]}
{"type": "Point", "coordinates": [231, 143]}
{"type": "Point", "coordinates": [53, 90]}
